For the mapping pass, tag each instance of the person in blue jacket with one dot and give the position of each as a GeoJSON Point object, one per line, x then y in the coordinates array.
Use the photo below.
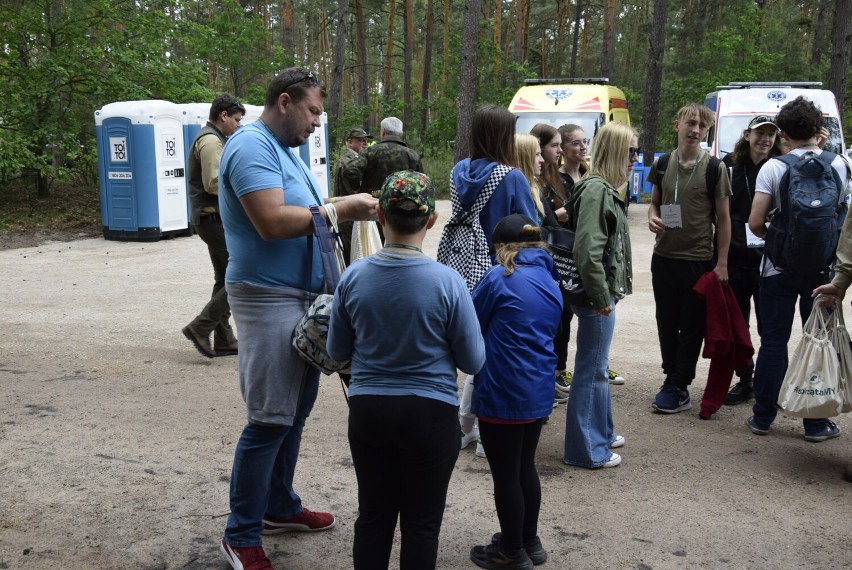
{"type": "Point", "coordinates": [519, 305]}
{"type": "Point", "coordinates": [492, 142]}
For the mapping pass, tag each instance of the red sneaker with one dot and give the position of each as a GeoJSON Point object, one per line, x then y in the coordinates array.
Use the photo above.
{"type": "Point", "coordinates": [306, 521]}
{"type": "Point", "coordinates": [245, 558]}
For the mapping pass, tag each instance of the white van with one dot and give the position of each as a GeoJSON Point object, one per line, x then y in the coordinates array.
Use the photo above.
{"type": "Point", "coordinates": [736, 103]}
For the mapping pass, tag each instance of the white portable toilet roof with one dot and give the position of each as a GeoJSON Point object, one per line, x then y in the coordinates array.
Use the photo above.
{"type": "Point", "coordinates": [195, 113]}
{"type": "Point", "coordinates": [139, 112]}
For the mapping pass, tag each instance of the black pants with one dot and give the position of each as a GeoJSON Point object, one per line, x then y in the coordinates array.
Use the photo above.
{"type": "Point", "coordinates": [216, 315]}
{"type": "Point", "coordinates": [681, 315]}
{"type": "Point", "coordinates": [745, 283]}
{"type": "Point", "coordinates": [563, 334]}
{"type": "Point", "coordinates": [404, 449]}
{"type": "Point", "coordinates": [510, 449]}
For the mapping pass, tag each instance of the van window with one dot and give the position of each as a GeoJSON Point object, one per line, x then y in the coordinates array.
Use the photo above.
{"type": "Point", "coordinates": [731, 129]}
{"type": "Point", "coordinates": [590, 122]}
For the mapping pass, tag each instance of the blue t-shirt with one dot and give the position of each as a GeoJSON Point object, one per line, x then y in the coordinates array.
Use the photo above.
{"type": "Point", "coordinates": [254, 160]}
{"type": "Point", "coordinates": [407, 322]}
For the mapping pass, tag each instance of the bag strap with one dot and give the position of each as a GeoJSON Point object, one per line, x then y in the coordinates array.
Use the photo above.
{"type": "Point", "coordinates": [331, 272]}
{"type": "Point", "coordinates": [494, 179]}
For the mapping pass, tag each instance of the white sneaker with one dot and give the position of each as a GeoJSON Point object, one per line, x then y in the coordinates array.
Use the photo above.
{"type": "Point", "coordinates": [618, 442]}
{"type": "Point", "coordinates": [615, 378]}
{"type": "Point", "coordinates": [468, 438]}
{"type": "Point", "coordinates": [614, 461]}
{"type": "Point", "coordinates": [480, 451]}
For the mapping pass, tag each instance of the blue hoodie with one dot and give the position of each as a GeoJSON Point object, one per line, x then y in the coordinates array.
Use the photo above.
{"type": "Point", "coordinates": [519, 315]}
{"type": "Point", "coordinates": [512, 196]}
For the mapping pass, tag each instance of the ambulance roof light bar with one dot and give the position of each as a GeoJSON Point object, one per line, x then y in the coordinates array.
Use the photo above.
{"type": "Point", "coordinates": [744, 84]}
{"type": "Point", "coordinates": [558, 80]}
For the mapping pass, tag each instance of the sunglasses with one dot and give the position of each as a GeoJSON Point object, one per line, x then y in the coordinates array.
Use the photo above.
{"type": "Point", "coordinates": [306, 77]}
{"type": "Point", "coordinates": [633, 151]}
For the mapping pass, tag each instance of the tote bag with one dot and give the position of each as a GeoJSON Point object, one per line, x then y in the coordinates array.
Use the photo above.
{"type": "Point", "coordinates": [365, 240]}
{"type": "Point", "coordinates": [811, 387]}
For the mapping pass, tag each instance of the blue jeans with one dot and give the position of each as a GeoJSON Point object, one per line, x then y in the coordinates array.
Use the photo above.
{"type": "Point", "coordinates": [262, 476]}
{"type": "Point", "coordinates": [588, 423]}
{"type": "Point", "coordinates": [778, 296]}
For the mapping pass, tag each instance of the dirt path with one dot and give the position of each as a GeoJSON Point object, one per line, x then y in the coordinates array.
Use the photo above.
{"type": "Point", "coordinates": [116, 441]}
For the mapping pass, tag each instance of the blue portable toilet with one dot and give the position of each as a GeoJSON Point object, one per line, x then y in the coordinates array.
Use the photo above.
{"type": "Point", "coordinates": [142, 169]}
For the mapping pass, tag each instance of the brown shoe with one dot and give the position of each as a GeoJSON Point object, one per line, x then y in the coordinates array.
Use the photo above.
{"type": "Point", "coordinates": [201, 342]}
{"type": "Point", "coordinates": [225, 349]}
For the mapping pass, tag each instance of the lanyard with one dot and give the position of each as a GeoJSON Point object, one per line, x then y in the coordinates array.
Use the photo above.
{"type": "Point", "coordinates": [677, 174]}
{"type": "Point", "coordinates": [289, 153]}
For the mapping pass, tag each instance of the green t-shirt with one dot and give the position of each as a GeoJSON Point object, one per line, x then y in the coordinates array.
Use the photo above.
{"type": "Point", "coordinates": [694, 241]}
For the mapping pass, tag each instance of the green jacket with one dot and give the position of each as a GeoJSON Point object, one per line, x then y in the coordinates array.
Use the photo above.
{"type": "Point", "coordinates": [372, 166]}
{"type": "Point", "coordinates": [597, 214]}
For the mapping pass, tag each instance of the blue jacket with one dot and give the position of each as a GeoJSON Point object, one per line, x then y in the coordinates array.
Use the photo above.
{"type": "Point", "coordinates": [512, 195]}
{"type": "Point", "coordinates": [519, 315]}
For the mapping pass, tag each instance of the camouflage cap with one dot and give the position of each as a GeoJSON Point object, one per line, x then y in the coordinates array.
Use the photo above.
{"type": "Point", "coordinates": [408, 186]}
{"type": "Point", "coordinates": [358, 134]}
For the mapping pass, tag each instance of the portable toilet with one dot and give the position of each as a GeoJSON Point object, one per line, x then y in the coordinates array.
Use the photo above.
{"type": "Point", "coordinates": [252, 114]}
{"type": "Point", "coordinates": [315, 154]}
{"type": "Point", "coordinates": [142, 168]}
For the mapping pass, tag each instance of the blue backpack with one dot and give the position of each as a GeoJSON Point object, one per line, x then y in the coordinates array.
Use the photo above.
{"type": "Point", "coordinates": [803, 233]}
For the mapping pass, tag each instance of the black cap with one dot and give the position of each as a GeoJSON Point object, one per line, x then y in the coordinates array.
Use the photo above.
{"type": "Point", "coordinates": [516, 228]}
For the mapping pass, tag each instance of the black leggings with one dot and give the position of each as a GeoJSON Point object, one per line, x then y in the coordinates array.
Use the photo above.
{"type": "Point", "coordinates": [510, 449]}
{"type": "Point", "coordinates": [404, 449]}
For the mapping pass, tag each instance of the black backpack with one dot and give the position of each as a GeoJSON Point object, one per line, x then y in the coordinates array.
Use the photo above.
{"type": "Point", "coordinates": [803, 232]}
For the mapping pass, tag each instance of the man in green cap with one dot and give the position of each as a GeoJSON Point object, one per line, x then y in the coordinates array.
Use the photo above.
{"type": "Point", "coordinates": [356, 142]}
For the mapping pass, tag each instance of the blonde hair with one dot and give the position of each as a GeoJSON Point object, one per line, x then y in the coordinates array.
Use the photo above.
{"type": "Point", "coordinates": [706, 116]}
{"type": "Point", "coordinates": [609, 157]}
{"type": "Point", "coordinates": [526, 147]}
{"type": "Point", "coordinates": [507, 252]}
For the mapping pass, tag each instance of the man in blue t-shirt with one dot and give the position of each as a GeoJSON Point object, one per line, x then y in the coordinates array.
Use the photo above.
{"type": "Point", "coordinates": [272, 276]}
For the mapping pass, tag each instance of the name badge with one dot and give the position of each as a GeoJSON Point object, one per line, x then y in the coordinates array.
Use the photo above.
{"type": "Point", "coordinates": [752, 241]}
{"type": "Point", "coordinates": [671, 216]}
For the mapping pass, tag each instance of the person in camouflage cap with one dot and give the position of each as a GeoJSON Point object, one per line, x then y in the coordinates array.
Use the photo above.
{"type": "Point", "coordinates": [373, 166]}
{"type": "Point", "coordinates": [408, 193]}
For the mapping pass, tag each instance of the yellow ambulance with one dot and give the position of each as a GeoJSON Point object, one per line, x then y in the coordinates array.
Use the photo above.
{"type": "Point", "coordinates": [590, 102]}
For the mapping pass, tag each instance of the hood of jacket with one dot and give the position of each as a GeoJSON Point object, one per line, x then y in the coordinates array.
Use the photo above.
{"type": "Point", "coordinates": [470, 176]}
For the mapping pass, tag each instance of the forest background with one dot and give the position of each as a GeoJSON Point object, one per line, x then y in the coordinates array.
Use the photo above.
{"type": "Point", "coordinates": [429, 62]}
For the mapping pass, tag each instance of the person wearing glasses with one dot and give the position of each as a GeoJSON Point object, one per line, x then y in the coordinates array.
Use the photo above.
{"type": "Point", "coordinates": [602, 251]}
{"type": "Point", "coordinates": [274, 273]}
{"type": "Point", "coordinates": [759, 143]}
{"type": "Point", "coordinates": [225, 115]}
{"type": "Point", "coordinates": [681, 216]}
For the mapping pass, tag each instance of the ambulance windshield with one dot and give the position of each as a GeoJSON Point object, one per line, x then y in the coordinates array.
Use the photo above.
{"type": "Point", "coordinates": [731, 129]}
{"type": "Point", "coordinates": [591, 123]}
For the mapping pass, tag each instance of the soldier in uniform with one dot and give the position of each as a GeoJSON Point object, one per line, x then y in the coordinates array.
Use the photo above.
{"type": "Point", "coordinates": [372, 166]}
{"type": "Point", "coordinates": [356, 142]}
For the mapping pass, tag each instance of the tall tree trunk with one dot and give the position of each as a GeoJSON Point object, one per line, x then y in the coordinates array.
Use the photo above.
{"type": "Point", "coordinates": [498, 40]}
{"type": "Point", "coordinates": [608, 52]}
{"type": "Point", "coordinates": [336, 98]}
{"type": "Point", "coordinates": [446, 66]}
{"type": "Point", "coordinates": [288, 39]}
{"type": "Point", "coordinates": [576, 41]}
{"type": "Point", "coordinates": [841, 37]}
{"type": "Point", "coordinates": [654, 79]}
{"type": "Point", "coordinates": [467, 76]}
{"type": "Point", "coordinates": [427, 66]}
{"type": "Point", "coordinates": [521, 31]}
{"type": "Point", "coordinates": [389, 48]}
{"type": "Point", "coordinates": [819, 42]}
{"type": "Point", "coordinates": [363, 86]}
{"type": "Point", "coordinates": [408, 16]}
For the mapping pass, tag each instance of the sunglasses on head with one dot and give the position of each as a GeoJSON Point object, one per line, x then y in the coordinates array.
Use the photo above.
{"type": "Point", "coordinates": [306, 76]}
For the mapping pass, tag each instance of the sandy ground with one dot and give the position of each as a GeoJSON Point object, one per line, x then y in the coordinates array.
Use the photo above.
{"type": "Point", "coordinates": [116, 441]}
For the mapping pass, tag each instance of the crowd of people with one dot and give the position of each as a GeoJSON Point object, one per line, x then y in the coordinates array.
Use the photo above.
{"type": "Point", "coordinates": [508, 331]}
